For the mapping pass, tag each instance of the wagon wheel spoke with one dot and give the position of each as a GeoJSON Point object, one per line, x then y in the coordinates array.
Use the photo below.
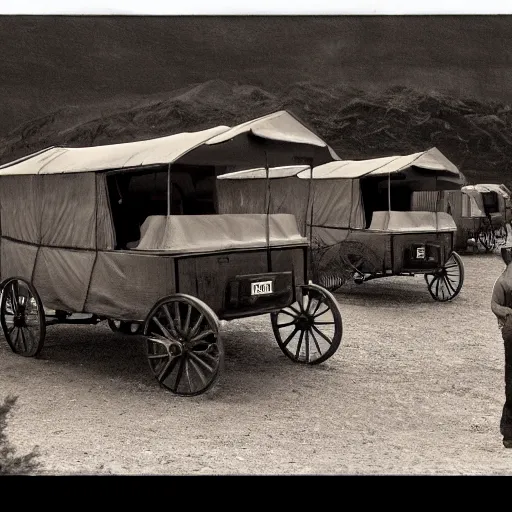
{"type": "Point", "coordinates": [14, 299]}
{"type": "Point", "coordinates": [449, 284]}
{"type": "Point", "coordinates": [177, 316]}
{"type": "Point", "coordinates": [298, 313]}
{"type": "Point", "coordinates": [202, 336]}
{"type": "Point", "coordinates": [30, 334]}
{"type": "Point", "coordinates": [165, 332]}
{"type": "Point", "coordinates": [22, 317]}
{"type": "Point", "coordinates": [167, 369]}
{"type": "Point", "coordinates": [321, 313]}
{"type": "Point", "coordinates": [185, 357]}
{"type": "Point", "coordinates": [187, 320]}
{"type": "Point", "coordinates": [289, 338]}
{"type": "Point", "coordinates": [157, 356]}
{"type": "Point", "coordinates": [201, 362]}
{"type": "Point", "coordinates": [182, 361]}
{"type": "Point", "coordinates": [299, 345]}
{"type": "Point", "coordinates": [196, 326]}
{"type": "Point", "coordinates": [316, 342]}
{"type": "Point", "coordinates": [321, 334]}
{"type": "Point", "coordinates": [23, 340]}
{"type": "Point", "coordinates": [170, 321]}
{"type": "Point", "coordinates": [286, 324]}
{"type": "Point", "coordinates": [305, 347]}
{"type": "Point", "coordinates": [188, 376]}
{"type": "Point", "coordinates": [284, 312]}
{"type": "Point", "coordinates": [301, 303]}
{"type": "Point", "coordinates": [200, 374]}
{"type": "Point", "coordinates": [318, 304]}
{"type": "Point", "coordinates": [15, 341]}
{"type": "Point", "coordinates": [442, 288]}
{"type": "Point", "coordinates": [158, 338]}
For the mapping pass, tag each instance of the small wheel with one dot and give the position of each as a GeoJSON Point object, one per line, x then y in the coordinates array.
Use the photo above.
{"type": "Point", "coordinates": [310, 330]}
{"type": "Point", "coordinates": [22, 317]}
{"type": "Point", "coordinates": [184, 347]}
{"type": "Point", "coordinates": [124, 327]}
{"type": "Point", "coordinates": [446, 282]}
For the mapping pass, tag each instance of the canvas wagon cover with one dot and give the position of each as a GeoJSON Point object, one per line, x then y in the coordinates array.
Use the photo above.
{"type": "Point", "coordinates": [279, 126]}
{"type": "Point", "coordinates": [321, 203]}
{"type": "Point", "coordinates": [431, 160]}
{"type": "Point", "coordinates": [205, 233]}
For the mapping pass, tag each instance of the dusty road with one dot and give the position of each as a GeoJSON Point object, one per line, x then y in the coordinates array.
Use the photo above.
{"type": "Point", "coordinates": [415, 388]}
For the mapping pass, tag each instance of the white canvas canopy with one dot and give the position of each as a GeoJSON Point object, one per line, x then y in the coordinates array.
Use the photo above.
{"type": "Point", "coordinates": [431, 160]}
{"type": "Point", "coordinates": [329, 195]}
{"type": "Point", "coordinates": [472, 200]}
{"type": "Point", "coordinates": [280, 126]}
{"type": "Point", "coordinates": [480, 188]}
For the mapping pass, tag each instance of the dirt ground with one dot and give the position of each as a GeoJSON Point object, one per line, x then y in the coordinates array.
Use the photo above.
{"type": "Point", "coordinates": [415, 388]}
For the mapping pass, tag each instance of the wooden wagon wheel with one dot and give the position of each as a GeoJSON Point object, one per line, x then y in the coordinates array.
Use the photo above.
{"type": "Point", "coordinates": [22, 317]}
{"type": "Point", "coordinates": [310, 330]}
{"type": "Point", "coordinates": [446, 282]}
{"type": "Point", "coordinates": [350, 257]}
{"type": "Point", "coordinates": [184, 348]}
{"type": "Point", "coordinates": [122, 327]}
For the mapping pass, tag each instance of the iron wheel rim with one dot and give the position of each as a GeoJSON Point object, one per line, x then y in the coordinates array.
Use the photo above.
{"type": "Point", "coordinates": [310, 330]}
{"type": "Point", "coordinates": [22, 318]}
{"type": "Point", "coordinates": [184, 347]}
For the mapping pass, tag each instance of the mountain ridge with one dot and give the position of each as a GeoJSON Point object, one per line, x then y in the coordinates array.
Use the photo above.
{"type": "Point", "coordinates": [476, 136]}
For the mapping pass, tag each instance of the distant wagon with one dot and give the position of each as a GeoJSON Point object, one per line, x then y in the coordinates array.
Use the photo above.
{"type": "Point", "coordinates": [130, 233]}
{"type": "Point", "coordinates": [361, 217]}
{"type": "Point", "coordinates": [483, 214]}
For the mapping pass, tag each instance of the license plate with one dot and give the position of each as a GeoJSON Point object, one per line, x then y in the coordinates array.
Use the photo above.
{"type": "Point", "coordinates": [420, 253]}
{"type": "Point", "coordinates": [261, 288]}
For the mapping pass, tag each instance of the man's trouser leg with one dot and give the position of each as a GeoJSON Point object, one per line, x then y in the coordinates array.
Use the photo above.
{"type": "Point", "coordinates": [506, 417]}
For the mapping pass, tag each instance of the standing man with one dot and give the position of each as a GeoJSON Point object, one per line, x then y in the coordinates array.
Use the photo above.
{"type": "Point", "coordinates": [501, 305]}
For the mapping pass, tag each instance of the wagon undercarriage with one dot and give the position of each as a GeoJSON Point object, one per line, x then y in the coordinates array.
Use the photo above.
{"type": "Point", "coordinates": [182, 333]}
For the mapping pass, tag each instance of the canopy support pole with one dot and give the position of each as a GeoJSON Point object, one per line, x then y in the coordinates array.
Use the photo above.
{"type": "Point", "coordinates": [311, 217]}
{"type": "Point", "coordinates": [169, 194]}
{"type": "Point", "coordinates": [389, 197]}
{"type": "Point", "coordinates": [438, 195]}
{"type": "Point", "coordinates": [389, 192]}
{"type": "Point", "coordinates": [267, 212]}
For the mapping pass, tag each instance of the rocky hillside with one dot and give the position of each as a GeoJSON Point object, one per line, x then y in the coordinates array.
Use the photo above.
{"type": "Point", "coordinates": [475, 135]}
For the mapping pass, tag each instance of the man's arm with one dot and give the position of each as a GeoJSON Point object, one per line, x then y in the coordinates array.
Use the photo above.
{"type": "Point", "coordinates": [498, 301]}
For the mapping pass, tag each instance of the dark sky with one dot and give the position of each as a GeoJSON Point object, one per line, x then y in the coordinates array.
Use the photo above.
{"type": "Point", "coordinates": [48, 62]}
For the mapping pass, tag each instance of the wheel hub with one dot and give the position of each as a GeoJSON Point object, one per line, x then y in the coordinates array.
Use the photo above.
{"type": "Point", "coordinates": [19, 320]}
{"type": "Point", "coordinates": [176, 348]}
{"type": "Point", "coordinates": [304, 322]}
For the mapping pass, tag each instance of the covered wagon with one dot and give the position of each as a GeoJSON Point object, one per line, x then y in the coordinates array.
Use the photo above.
{"type": "Point", "coordinates": [131, 233]}
{"type": "Point", "coordinates": [362, 217]}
